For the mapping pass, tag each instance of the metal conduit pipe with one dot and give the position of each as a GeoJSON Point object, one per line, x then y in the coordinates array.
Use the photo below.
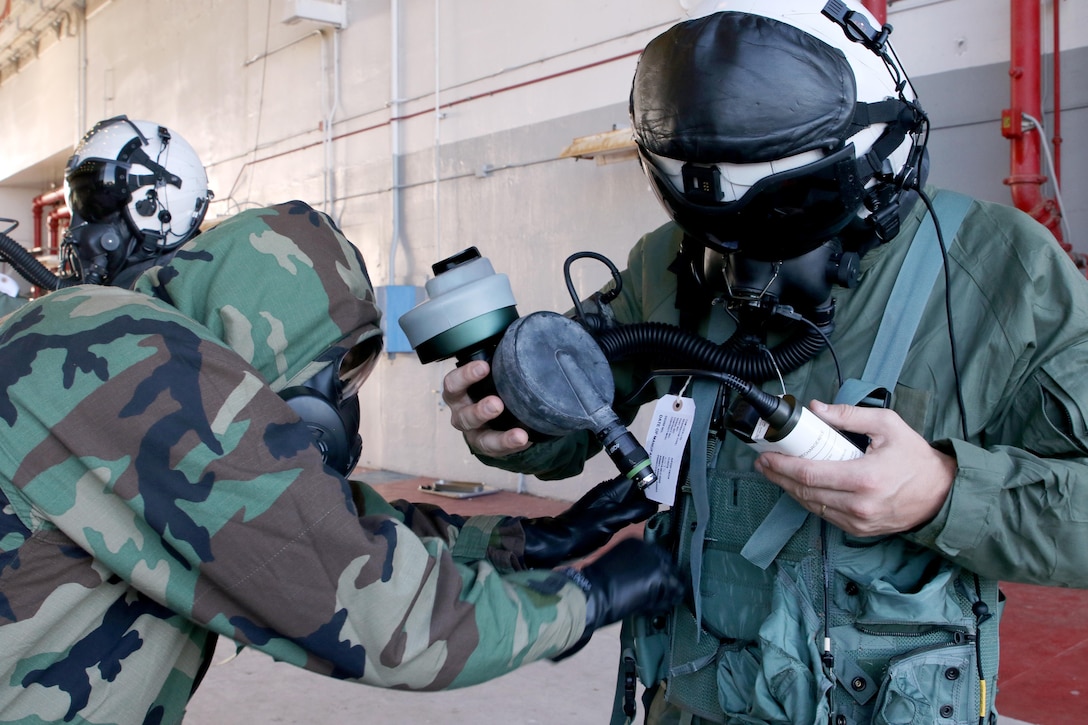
{"type": "Point", "coordinates": [394, 135]}
{"type": "Point", "coordinates": [437, 124]}
{"type": "Point", "coordinates": [332, 106]}
{"type": "Point", "coordinates": [1057, 98]}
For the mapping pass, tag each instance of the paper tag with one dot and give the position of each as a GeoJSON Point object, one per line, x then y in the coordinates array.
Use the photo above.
{"type": "Point", "coordinates": [666, 438]}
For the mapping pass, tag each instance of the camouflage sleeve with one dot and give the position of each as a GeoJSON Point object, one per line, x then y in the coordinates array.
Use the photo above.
{"type": "Point", "coordinates": [186, 476]}
{"type": "Point", "coordinates": [497, 539]}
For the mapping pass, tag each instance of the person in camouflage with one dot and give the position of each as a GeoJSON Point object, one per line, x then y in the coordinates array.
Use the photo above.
{"type": "Point", "coordinates": [156, 491]}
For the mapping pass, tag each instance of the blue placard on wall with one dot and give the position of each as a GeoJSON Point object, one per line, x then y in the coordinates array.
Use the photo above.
{"type": "Point", "coordinates": [395, 300]}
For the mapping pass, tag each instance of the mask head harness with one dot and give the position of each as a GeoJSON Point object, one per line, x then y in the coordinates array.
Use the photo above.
{"type": "Point", "coordinates": [328, 402]}
{"type": "Point", "coordinates": [121, 218]}
{"type": "Point", "coordinates": [755, 139]}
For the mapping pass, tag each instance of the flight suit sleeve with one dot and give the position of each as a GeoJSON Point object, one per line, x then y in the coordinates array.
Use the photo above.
{"type": "Point", "coordinates": [1018, 508]}
{"type": "Point", "coordinates": [1019, 512]}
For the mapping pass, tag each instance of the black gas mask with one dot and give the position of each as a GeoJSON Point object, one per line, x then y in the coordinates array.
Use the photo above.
{"type": "Point", "coordinates": [94, 252]}
{"type": "Point", "coordinates": [328, 402]}
{"type": "Point", "coordinates": [100, 243]}
{"type": "Point", "coordinates": [757, 290]}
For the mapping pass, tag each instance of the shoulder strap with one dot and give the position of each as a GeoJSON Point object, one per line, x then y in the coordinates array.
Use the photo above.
{"type": "Point", "coordinates": [905, 305]}
{"type": "Point", "coordinates": [897, 328]}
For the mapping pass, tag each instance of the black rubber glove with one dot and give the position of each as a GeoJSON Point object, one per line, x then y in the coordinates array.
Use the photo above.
{"type": "Point", "coordinates": [587, 525]}
{"type": "Point", "coordinates": [633, 577]}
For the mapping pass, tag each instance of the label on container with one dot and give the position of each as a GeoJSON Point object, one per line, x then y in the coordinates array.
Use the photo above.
{"type": "Point", "coordinates": [811, 438]}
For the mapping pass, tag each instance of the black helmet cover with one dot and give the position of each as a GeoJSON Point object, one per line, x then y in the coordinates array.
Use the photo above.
{"type": "Point", "coordinates": [739, 88]}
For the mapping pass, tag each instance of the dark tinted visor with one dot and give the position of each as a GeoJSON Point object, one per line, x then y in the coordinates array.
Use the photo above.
{"type": "Point", "coordinates": [782, 216]}
{"type": "Point", "coordinates": [98, 189]}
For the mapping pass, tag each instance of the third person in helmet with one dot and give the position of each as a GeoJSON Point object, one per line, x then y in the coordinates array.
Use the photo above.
{"type": "Point", "coordinates": [786, 143]}
{"type": "Point", "coordinates": [136, 191]}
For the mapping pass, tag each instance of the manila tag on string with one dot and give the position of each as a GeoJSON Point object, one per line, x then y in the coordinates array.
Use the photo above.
{"type": "Point", "coordinates": [665, 440]}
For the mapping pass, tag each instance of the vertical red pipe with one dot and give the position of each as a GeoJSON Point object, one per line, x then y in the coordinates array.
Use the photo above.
{"type": "Point", "coordinates": [37, 206]}
{"type": "Point", "coordinates": [879, 9]}
{"type": "Point", "coordinates": [1025, 179]}
{"type": "Point", "coordinates": [57, 218]}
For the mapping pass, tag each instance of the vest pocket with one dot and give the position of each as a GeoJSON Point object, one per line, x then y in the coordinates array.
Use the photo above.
{"type": "Point", "coordinates": [932, 686]}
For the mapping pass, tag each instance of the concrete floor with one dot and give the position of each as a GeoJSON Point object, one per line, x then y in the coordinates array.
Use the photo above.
{"type": "Point", "coordinates": [249, 688]}
{"type": "Point", "coordinates": [252, 689]}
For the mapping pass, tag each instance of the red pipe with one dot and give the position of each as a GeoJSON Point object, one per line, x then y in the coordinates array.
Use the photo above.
{"type": "Point", "coordinates": [49, 198]}
{"type": "Point", "coordinates": [1025, 179]}
{"type": "Point", "coordinates": [55, 218]}
{"type": "Point", "coordinates": [878, 8]}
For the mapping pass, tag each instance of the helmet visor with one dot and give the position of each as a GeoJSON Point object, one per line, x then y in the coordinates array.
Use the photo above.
{"type": "Point", "coordinates": [98, 189]}
{"type": "Point", "coordinates": [781, 216]}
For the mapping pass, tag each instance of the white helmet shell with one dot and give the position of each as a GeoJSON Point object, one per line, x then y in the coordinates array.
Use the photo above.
{"type": "Point", "coordinates": [749, 89]}
{"type": "Point", "coordinates": [145, 171]}
{"type": "Point", "coordinates": [874, 83]}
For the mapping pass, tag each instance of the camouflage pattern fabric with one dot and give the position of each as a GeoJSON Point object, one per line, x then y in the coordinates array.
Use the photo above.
{"type": "Point", "coordinates": [155, 491]}
{"type": "Point", "coordinates": [10, 304]}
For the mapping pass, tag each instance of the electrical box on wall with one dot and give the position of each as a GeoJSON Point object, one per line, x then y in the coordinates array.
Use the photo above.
{"type": "Point", "coordinates": [395, 300]}
{"type": "Point", "coordinates": [323, 12]}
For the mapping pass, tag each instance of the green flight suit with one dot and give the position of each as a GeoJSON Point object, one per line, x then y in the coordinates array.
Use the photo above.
{"type": "Point", "coordinates": [910, 643]}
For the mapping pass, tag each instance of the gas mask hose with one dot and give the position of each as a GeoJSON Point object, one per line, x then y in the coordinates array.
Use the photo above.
{"type": "Point", "coordinates": [29, 267]}
{"type": "Point", "coordinates": [666, 345]}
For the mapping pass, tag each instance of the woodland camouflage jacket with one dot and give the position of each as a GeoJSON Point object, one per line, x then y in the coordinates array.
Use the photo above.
{"type": "Point", "coordinates": [156, 491]}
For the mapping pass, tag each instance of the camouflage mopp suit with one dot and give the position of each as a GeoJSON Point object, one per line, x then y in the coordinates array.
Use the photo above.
{"type": "Point", "coordinates": [155, 492]}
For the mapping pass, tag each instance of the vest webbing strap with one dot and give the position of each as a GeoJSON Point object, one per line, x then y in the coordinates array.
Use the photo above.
{"type": "Point", "coordinates": [704, 393]}
{"type": "Point", "coordinates": [897, 328]}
